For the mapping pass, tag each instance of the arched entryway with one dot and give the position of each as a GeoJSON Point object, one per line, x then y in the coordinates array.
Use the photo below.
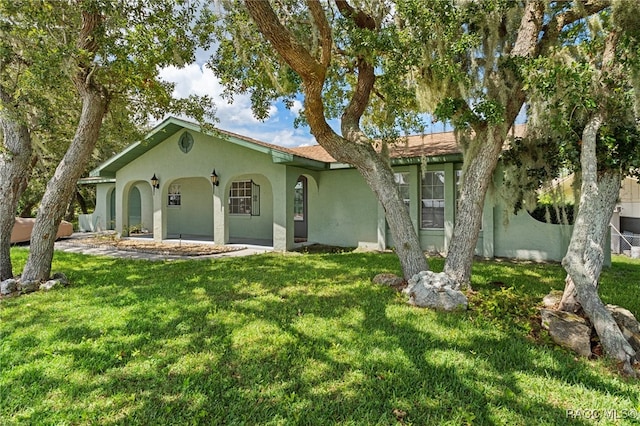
{"type": "Point", "coordinates": [189, 209]}
{"type": "Point", "coordinates": [135, 210]}
{"type": "Point", "coordinates": [111, 208]}
{"type": "Point", "coordinates": [139, 210]}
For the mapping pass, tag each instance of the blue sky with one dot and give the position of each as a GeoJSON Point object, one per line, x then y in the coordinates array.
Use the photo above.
{"type": "Point", "coordinates": [237, 117]}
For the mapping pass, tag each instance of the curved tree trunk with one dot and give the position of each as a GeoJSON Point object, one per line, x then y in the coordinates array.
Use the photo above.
{"type": "Point", "coordinates": [481, 160]}
{"type": "Point", "coordinates": [379, 176]}
{"type": "Point", "coordinates": [598, 215]}
{"type": "Point", "coordinates": [15, 168]}
{"type": "Point", "coordinates": [583, 261]}
{"type": "Point", "coordinates": [353, 146]}
{"type": "Point", "coordinates": [61, 188]}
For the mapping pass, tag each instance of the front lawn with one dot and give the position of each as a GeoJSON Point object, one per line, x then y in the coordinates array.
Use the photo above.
{"type": "Point", "coordinates": [284, 339]}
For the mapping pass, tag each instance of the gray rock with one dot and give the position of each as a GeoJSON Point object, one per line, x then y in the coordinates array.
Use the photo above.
{"type": "Point", "coordinates": [51, 285]}
{"type": "Point", "coordinates": [390, 280]}
{"type": "Point", "coordinates": [8, 286]}
{"type": "Point", "coordinates": [628, 324]}
{"type": "Point", "coordinates": [59, 276]}
{"type": "Point", "coordinates": [568, 330]}
{"type": "Point", "coordinates": [28, 286]}
{"type": "Point", "coordinates": [428, 289]}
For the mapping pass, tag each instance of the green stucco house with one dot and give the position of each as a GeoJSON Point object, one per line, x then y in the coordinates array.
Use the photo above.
{"type": "Point", "coordinates": [183, 182]}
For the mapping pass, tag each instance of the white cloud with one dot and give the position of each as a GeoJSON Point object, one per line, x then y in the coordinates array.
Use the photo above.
{"type": "Point", "coordinates": [196, 80]}
{"type": "Point", "coordinates": [237, 117]}
{"type": "Point", "coordinates": [296, 108]}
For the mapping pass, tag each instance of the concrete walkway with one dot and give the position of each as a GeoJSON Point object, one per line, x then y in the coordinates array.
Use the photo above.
{"type": "Point", "coordinates": [72, 245]}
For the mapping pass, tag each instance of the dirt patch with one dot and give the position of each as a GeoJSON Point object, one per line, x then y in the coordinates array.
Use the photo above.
{"type": "Point", "coordinates": [175, 249]}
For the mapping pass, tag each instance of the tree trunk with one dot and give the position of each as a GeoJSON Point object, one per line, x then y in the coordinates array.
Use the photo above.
{"type": "Point", "coordinates": [380, 178]}
{"type": "Point", "coordinates": [583, 261]}
{"type": "Point", "coordinates": [15, 157]}
{"type": "Point", "coordinates": [61, 188]}
{"type": "Point", "coordinates": [481, 160]}
{"type": "Point", "coordinates": [599, 216]}
{"type": "Point", "coordinates": [353, 146]}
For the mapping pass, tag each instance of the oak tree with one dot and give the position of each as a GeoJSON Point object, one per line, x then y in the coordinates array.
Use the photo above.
{"type": "Point", "coordinates": [344, 59]}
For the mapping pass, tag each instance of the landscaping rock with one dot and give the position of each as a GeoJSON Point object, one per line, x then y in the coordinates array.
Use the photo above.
{"type": "Point", "coordinates": [51, 285]}
{"type": "Point", "coordinates": [8, 286]}
{"type": "Point", "coordinates": [390, 280]}
{"type": "Point", "coordinates": [629, 325]}
{"type": "Point", "coordinates": [428, 289]}
{"type": "Point", "coordinates": [568, 330]}
{"type": "Point", "coordinates": [62, 278]}
{"type": "Point", "coordinates": [552, 300]}
{"type": "Point", "coordinates": [28, 286]}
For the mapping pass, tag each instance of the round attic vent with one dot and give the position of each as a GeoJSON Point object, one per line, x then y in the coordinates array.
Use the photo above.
{"type": "Point", "coordinates": [185, 142]}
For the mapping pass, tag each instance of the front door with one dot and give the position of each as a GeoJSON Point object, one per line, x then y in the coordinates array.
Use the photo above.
{"type": "Point", "coordinates": [300, 211]}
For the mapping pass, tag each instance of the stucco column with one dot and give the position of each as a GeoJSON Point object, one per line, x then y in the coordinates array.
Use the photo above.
{"type": "Point", "coordinates": [382, 229]}
{"type": "Point", "coordinates": [122, 212]}
{"type": "Point", "coordinates": [220, 228]}
{"type": "Point", "coordinates": [159, 220]}
{"type": "Point", "coordinates": [283, 191]}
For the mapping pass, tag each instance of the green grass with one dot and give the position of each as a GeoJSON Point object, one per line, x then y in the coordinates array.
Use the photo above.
{"type": "Point", "coordinates": [307, 339]}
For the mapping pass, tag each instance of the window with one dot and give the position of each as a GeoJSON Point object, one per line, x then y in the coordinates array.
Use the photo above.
{"type": "Point", "coordinates": [433, 200]}
{"type": "Point", "coordinates": [244, 198]}
{"type": "Point", "coordinates": [175, 197]}
{"type": "Point", "coordinates": [402, 180]}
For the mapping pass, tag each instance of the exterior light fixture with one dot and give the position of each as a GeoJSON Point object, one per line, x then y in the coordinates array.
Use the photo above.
{"type": "Point", "coordinates": [155, 182]}
{"type": "Point", "coordinates": [214, 178]}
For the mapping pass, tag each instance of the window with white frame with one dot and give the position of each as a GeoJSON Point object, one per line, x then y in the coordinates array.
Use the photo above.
{"type": "Point", "coordinates": [244, 198]}
{"type": "Point", "coordinates": [175, 196]}
{"type": "Point", "coordinates": [432, 210]}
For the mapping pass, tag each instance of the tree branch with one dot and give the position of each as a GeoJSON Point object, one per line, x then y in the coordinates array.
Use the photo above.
{"type": "Point", "coordinates": [350, 123]}
{"type": "Point", "coordinates": [552, 30]}
{"type": "Point", "coordinates": [296, 55]}
{"type": "Point", "coordinates": [321, 23]}
{"type": "Point", "coordinates": [361, 19]}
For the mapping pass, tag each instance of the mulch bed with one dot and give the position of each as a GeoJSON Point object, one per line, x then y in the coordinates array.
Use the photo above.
{"type": "Point", "coordinates": [174, 249]}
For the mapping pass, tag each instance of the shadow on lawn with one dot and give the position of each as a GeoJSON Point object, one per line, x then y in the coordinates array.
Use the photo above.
{"type": "Point", "coordinates": [278, 340]}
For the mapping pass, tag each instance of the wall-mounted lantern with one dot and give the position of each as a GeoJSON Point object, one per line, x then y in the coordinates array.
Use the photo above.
{"type": "Point", "coordinates": [155, 182]}
{"type": "Point", "coordinates": [214, 178]}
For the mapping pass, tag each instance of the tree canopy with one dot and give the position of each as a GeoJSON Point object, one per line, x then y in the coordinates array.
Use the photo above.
{"type": "Point", "coordinates": [74, 63]}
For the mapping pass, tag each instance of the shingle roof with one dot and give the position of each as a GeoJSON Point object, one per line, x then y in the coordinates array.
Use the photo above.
{"type": "Point", "coordinates": [428, 145]}
{"type": "Point", "coordinates": [315, 156]}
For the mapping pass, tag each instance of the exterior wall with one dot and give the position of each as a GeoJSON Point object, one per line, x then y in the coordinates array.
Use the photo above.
{"type": "Point", "coordinates": [524, 237]}
{"type": "Point", "coordinates": [345, 211]}
{"type": "Point", "coordinates": [630, 198]}
{"type": "Point", "coordinates": [232, 162]}
{"type": "Point", "coordinates": [101, 214]}
{"type": "Point", "coordinates": [342, 209]}
{"type": "Point", "coordinates": [243, 226]}
{"type": "Point", "coordinates": [194, 215]}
